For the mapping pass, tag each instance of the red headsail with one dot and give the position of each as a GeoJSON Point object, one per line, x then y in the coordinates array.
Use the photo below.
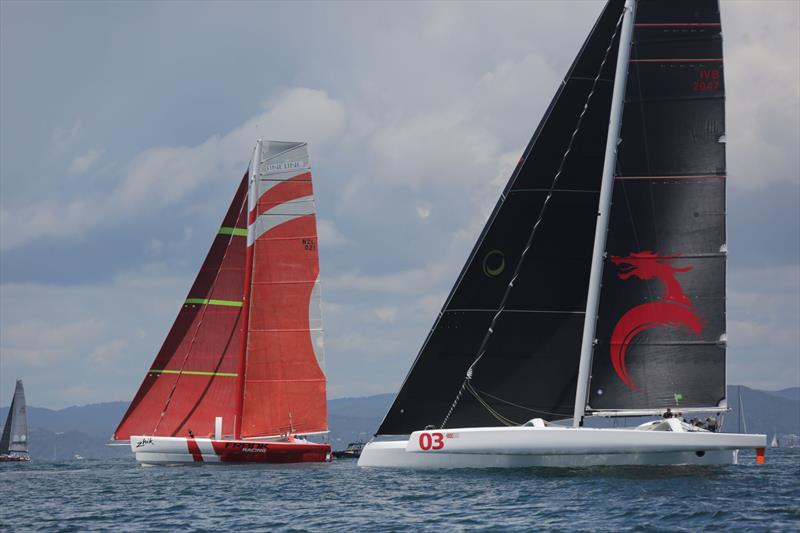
{"type": "Point", "coordinates": [195, 377]}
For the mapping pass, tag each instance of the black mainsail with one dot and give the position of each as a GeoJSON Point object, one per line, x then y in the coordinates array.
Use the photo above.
{"type": "Point", "coordinates": [15, 433]}
{"type": "Point", "coordinates": [661, 321]}
{"type": "Point", "coordinates": [530, 364]}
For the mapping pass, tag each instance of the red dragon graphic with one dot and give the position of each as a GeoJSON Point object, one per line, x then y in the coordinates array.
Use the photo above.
{"type": "Point", "coordinates": [674, 310]}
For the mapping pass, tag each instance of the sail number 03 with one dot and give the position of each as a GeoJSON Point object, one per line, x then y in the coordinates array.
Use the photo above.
{"type": "Point", "coordinates": [431, 441]}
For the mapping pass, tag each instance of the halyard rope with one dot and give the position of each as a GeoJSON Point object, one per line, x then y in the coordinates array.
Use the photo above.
{"type": "Point", "coordinates": [482, 349]}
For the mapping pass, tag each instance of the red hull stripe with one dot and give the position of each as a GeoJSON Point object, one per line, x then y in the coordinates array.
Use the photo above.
{"type": "Point", "coordinates": [212, 301]}
{"type": "Point", "coordinates": [686, 60]}
{"type": "Point", "coordinates": [236, 232]}
{"type": "Point", "coordinates": [195, 373]}
{"type": "Point", "coordinates": [679, 25]}
{"type": "Point", "coordinates": [194, 449]}
{"type": "Point", "coordinates": [699, 177]}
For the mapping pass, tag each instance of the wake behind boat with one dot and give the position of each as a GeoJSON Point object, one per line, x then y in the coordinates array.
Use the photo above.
{"type": "Point", "coordinates": [597, 287]}
{"type": "Point", "coordinates": [240, 375]}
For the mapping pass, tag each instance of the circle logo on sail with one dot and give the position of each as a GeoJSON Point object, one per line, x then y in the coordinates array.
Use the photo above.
{"type": "Point", "coordinates": [494, 263]}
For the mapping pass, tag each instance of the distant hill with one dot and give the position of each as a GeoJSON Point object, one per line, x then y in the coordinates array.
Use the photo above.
{"type": "Point", "coordinates": [793, 393]}
{"type": "Point", "coordinates": [85, 430]}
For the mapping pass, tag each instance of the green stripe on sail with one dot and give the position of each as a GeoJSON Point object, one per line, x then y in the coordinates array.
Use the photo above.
{"type": "Point", "coordinates": [207, 301]}
{"type": "Point", "coordinates": [238, 232]}
{"type": "Point", "coordinates": [195, 373]}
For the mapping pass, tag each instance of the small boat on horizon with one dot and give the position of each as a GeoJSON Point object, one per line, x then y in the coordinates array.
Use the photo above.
{"type": "Point", "coordinates": [597, 286]}
{"type": "Point", "coordinates": [240, 377]}
{"type": "Point", "coordinates": [353, 451]}
{"type": "Point", "coordinates": [14, 439]}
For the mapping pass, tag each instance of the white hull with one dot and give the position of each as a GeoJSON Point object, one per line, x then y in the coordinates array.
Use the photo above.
{"type": "Point", "coordinates": [515, 447]}
{"type": "Point", "coordinates": [151, 451]}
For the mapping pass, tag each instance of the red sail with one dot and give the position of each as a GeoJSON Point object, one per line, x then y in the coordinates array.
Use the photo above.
{"type": "Point", "coordinates": [284, 385]}
{"type": "Point", "coordinates": [195, 376]}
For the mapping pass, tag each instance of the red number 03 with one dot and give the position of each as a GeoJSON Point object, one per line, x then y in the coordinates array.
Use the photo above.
{"type": "Point", "coordinates": [431, 441]}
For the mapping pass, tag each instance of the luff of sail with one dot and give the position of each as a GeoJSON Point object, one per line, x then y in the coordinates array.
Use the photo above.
{"type": "Point", "coordinates": [661, 323]}
{"type": "Point", "coordinates": [15, 432]}
{"type": "Point", "coordinates": [284, 381]}
{"type": "Point", "coordinates": [195, 376]}
{"type": "Point", "coordinates": [531, 361]}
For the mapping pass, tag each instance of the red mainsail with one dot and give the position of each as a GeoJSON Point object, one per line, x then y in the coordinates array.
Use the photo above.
{"type": "Point", "coordinates": [195, 376]}
{"type": "Point", "coordinates": [284, 382]}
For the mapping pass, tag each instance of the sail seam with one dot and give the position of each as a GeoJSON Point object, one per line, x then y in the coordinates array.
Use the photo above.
{"type": "Point", "coordinates": [213, 301]}
{"type": "Point", "coordinates": [194, 373]}
{"type": "Point", "coordinates": [238, 232]}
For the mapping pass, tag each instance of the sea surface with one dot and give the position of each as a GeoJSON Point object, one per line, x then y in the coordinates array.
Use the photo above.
{"type": "Point", "coordinates": [86, 495]}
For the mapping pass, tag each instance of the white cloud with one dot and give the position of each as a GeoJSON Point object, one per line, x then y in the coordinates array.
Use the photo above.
{"type": "Point", "coordinates": [89, 333]}
{"type": "Point", "coordinates": [82, 164]}
{"type": "Point", "coordinates": [160, 177]}
{"type": "Point", "coordinates": [109, 353]}
{"type": "Point", "coordinates": [423, 211]}
{"type": "Point", "coordinates": [39, 344]}
{"type": "Point", "coordinates": [762, 69]}
{"type": "Point", "coordinates": [329, 235]}
{"type": "Point", "coordinates": [386, 314]}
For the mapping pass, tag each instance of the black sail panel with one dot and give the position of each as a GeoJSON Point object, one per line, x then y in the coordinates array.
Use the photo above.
{"type": "Point", "coordinates": [531, 363]}
{"type": "Point", "coordinates": [661, 323]}
{"type": "Point", "coordinates": [15, 432]}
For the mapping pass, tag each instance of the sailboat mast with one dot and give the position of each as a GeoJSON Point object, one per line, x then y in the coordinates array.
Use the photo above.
{"type": "Point", "coordinates": [604, 208]}
{"type": "Point", "coordinates": [252, 203]}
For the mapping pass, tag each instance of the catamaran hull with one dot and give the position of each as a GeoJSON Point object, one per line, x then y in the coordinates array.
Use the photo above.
{"type": "Point", "coordinates": [181, 451]}
{"type": "Point", "coordinates": [556, 447]}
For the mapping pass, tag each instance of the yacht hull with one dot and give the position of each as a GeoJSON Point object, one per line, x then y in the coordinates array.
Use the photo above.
{"type": "Point", "coordinates": [151, 451]}
{"type": "Point", "coordinates": [516, 447]}
{"type": "Point", "coordinates": [11, 458]}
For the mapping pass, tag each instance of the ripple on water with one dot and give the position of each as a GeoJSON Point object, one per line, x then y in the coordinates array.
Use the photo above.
{"type": "Point", "coordinates": [120, 495]}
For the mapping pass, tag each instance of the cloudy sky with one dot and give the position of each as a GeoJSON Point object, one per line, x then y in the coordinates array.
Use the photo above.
{"type": "Point", "coordinates": [125, 128]}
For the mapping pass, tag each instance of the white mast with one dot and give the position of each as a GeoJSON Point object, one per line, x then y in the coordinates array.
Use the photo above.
{"type": "Point", "coordinates": [604, 207]}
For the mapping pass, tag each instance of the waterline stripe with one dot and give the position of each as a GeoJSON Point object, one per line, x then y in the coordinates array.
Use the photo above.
{"type": "Point", "coordinates": [195, 373]}
{"type": "Point", "coordinates": [238, 232]}
{"type": "Point", "coordinates": [207, 301]}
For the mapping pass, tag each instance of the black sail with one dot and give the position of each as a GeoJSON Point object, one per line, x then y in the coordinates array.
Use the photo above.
{"type": "Point", "coordinates": [531, 363]}
{"type": "Point", "coordinates": [15, 432]}
{"type": "Point", "coordinates": [661, 322]}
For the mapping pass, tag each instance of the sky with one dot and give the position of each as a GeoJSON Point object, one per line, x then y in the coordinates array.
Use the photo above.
{"type": "Point", "coordinates": [125, 128]}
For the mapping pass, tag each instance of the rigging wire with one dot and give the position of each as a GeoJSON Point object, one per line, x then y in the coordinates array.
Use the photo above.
{"type": "Point", "coordinates": [465, 385]}
{"type": "Point", "coordinates": [199, 326]}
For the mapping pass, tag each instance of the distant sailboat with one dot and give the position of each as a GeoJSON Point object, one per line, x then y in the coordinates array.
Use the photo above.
{"type": "Point", "coordinates": [240, 375]}
{"type": "Point", "coordinates": [14, 441]}
{"type": "Point", "coordinates": [597, 287]}
{"type": "Point", "coordinates": [774, 443]}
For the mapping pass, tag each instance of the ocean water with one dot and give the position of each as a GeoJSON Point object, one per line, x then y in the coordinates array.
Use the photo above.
{"type": "Point", "coordinates": [122, 496]}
